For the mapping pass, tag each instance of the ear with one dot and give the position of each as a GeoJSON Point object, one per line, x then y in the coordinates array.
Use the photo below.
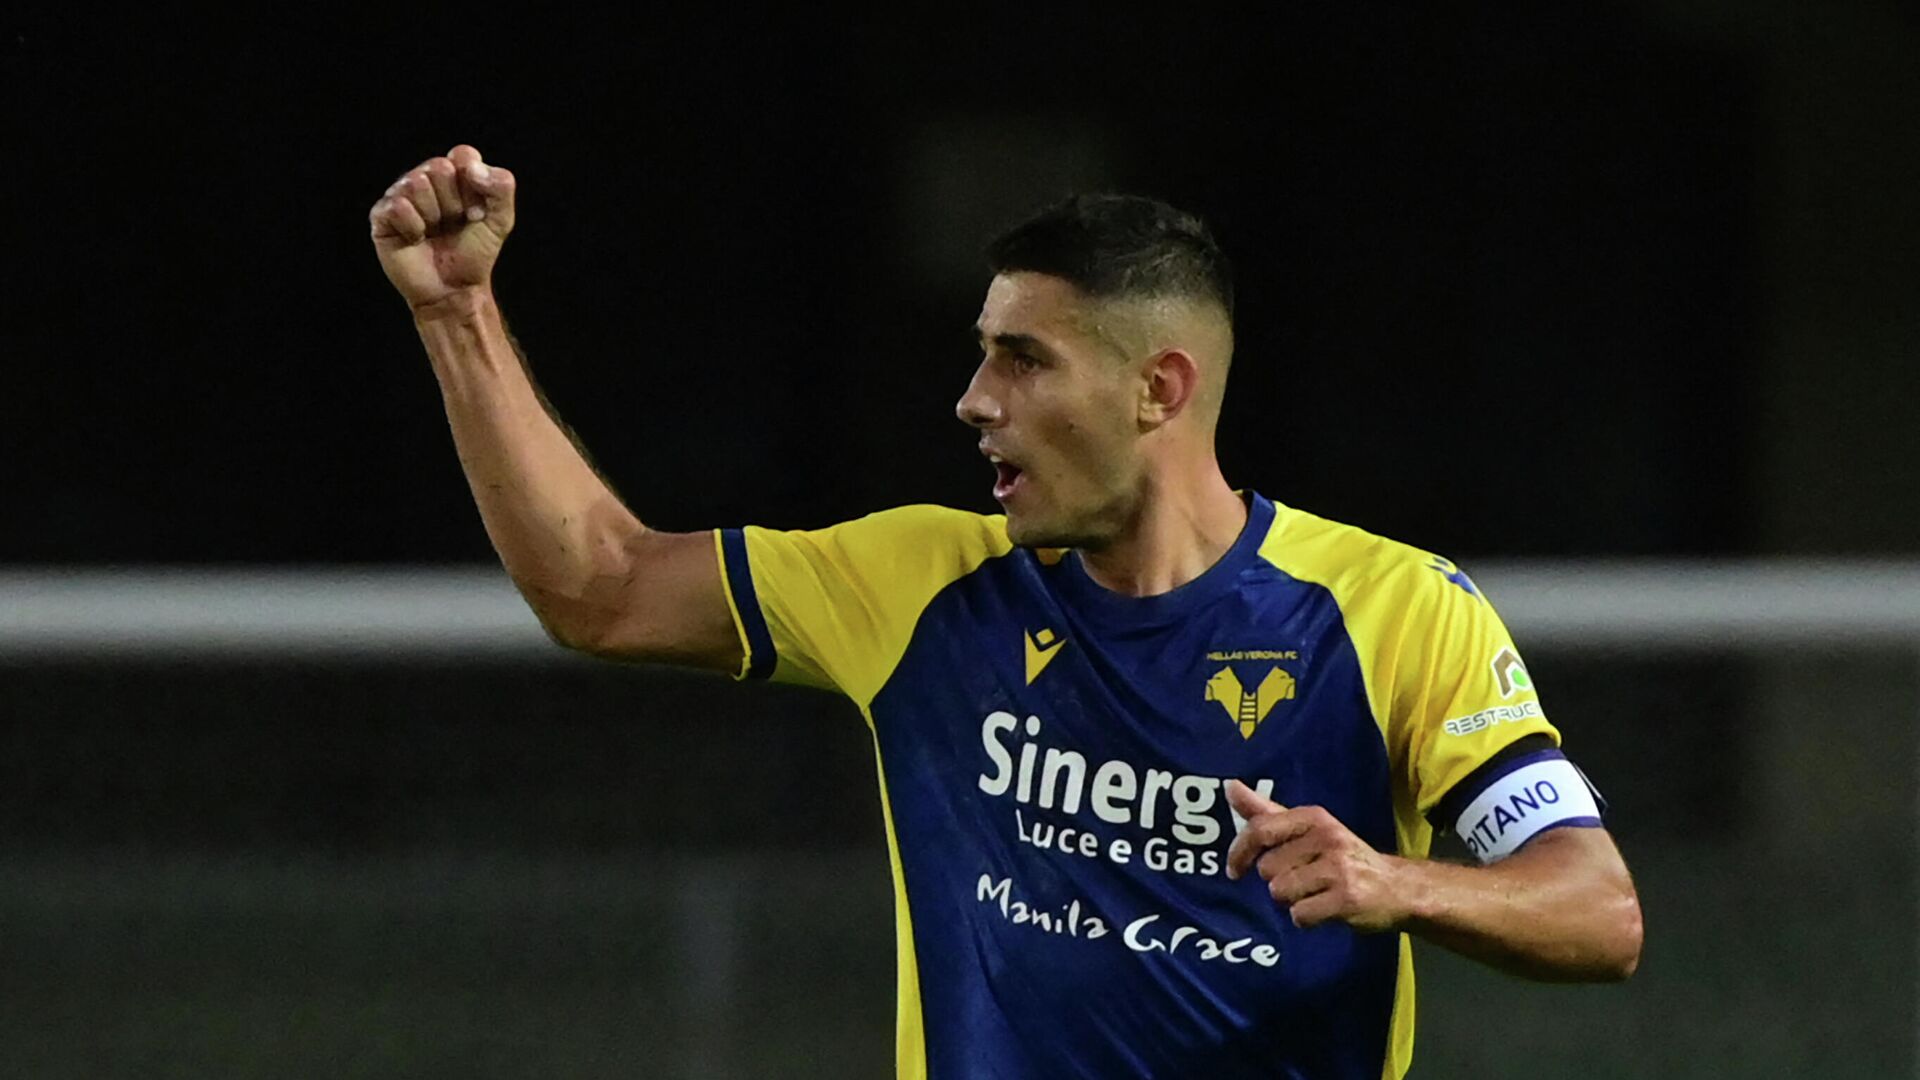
{"type": "Point", "coordinates": [1170, 381]}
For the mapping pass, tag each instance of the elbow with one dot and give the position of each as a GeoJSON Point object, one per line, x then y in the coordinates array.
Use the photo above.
{"type": "Point", "coordinates": [1618, 929]}
{"type": "Point", "coordinates": [605, 631]}
{"type": "Point", "coordinates": [1623, 938]}
{"type": "Point", "coordinates": [571, 623]}
{"type": "Point", "coordinates": [1632, 937]}
{"type": "Point", "coordinates": [573, 636]}
{"type": "Point", "coordinates": [610, 613]}
{"type": "Point", "coordinates": [592, 633]}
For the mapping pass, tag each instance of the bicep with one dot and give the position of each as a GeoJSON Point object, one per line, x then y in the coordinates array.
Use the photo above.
{"type": "Point", "coordinates": [1577, 851]}
{"type": "Point", "coordinates": [1578, 868]}
{"type": "Point", "coordinates": [668, 606]}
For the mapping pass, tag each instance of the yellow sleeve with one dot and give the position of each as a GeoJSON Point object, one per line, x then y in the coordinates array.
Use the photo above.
{"type": "Point", "coordinates": [835, 608]}
{"type": "Point", "coordinates": [1446, 684]}
{"type": "Point", "coordinates": [1460, 693]}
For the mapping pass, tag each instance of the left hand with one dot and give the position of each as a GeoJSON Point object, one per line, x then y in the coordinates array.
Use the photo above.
{"type": "Point", "coordinates": [1315, 865]}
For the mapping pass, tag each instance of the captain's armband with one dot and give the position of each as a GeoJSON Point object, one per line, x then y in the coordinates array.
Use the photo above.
{"type": "Point", "coordinates": [1517, 800]}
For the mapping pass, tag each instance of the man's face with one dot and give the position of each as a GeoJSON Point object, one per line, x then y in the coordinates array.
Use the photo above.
{"type": "Point", "coordinates": [1056, 406]}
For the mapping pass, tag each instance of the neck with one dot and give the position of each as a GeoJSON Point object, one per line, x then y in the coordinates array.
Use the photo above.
{"type": "Point", "coordinates": [1186, 522]}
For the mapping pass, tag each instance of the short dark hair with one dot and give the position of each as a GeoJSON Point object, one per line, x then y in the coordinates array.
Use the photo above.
{"type": "Point", "coordinates": [1112, 245]}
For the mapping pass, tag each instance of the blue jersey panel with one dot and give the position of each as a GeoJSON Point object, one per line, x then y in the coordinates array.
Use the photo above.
{"type": "Point", "coordinates": [1055, 755]}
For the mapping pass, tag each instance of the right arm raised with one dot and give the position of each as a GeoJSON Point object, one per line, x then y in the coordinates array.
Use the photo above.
{"type": "Point", "coordinates": [599, 580]}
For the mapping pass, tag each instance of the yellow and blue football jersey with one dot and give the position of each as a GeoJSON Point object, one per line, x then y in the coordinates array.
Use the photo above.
{"type": "Point", "coordinates": [1052, 757]}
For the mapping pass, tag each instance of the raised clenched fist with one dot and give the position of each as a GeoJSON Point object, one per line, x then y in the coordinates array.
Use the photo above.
{"type": "Point", "coordinates": [440, 227]}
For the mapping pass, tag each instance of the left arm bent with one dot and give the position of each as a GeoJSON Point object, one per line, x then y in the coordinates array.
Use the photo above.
{"type": "Point", "coordinates": [1562, 908]}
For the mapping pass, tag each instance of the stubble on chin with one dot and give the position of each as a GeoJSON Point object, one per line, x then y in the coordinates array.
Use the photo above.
{"type": "Point", "coordinates": [1036, 534]}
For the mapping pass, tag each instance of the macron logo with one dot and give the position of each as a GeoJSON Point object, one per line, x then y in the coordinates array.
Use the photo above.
{"type": "Point", "coordinates": [1042, 646]}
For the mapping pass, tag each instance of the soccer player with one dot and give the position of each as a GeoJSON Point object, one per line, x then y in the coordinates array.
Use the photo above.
{"type": "Point", "coordinates": [1160, 761]}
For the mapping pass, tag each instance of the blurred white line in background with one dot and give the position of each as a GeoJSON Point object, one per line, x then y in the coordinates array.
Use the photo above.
{"type": "Point", "coordinates": [437, 611]}
{"type": "Point", "coordinates": [293, 611]}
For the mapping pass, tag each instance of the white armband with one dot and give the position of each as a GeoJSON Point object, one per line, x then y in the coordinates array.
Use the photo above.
{"type": "Point", "coordinates": [1536, 792]}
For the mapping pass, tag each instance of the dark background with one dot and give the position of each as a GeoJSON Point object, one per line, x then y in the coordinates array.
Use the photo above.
{"type": "Point", "coordinates": [1596, 281]}
{"type": "Point", "coordinates": [1519, 285]}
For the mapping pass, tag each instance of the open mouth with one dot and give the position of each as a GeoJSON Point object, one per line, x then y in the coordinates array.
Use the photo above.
{"type": "Point", "coordinates": [1006, 479]}
{"type": "Point", "coordinates": [1006, 474]}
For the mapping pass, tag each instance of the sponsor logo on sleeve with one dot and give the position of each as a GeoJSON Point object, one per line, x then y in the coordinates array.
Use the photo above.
{"type": "Point", "coordinates": [1499, 714]}
{"type": "Point", "coordinates": [1511, 673]}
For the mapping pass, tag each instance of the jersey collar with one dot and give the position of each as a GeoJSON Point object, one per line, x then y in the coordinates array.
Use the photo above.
{"type": "Point", "coordinates": [1086, 594]}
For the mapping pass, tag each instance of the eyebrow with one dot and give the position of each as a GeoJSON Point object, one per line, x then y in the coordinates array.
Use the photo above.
{"type": "Point", "coordinates": [1017, 342]}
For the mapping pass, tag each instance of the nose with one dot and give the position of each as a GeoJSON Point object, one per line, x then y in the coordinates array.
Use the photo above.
{"type": "Point", "coordinates": [978, 407]}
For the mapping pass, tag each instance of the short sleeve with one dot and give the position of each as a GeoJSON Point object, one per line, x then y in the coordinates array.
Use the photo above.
{"type": "Point", "coordinates": [1460, 691]}
{"type": "Point", "coordinates": [834, 608]}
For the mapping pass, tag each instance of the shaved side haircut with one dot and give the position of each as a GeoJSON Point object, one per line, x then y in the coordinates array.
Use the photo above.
{"type": "Point", "coordinates": [1119, 247]}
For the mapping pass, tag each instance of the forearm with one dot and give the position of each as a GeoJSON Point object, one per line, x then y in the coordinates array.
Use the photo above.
{"type": "Point", "coordinates": [563, 535]}
{"type": "Point", "coordinates": [1560, 909]}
